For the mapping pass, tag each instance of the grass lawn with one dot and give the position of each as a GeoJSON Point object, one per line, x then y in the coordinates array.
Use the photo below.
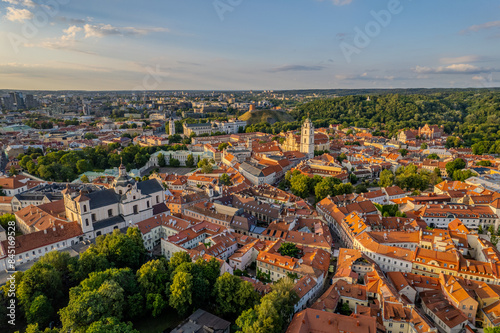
{"type": "Point", "coordinates": [164, 322]}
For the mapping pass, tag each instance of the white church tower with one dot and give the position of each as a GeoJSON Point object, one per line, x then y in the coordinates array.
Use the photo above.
{"type": "Point", "coordinates": [307, 139]}
{"type": "Point", "coordinates": [171, 126]}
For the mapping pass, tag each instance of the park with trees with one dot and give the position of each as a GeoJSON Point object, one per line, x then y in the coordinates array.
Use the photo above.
{"type": "Point", "coordinates": [66, 165]}
{"type": "Point", "coordinates": [115, 286]}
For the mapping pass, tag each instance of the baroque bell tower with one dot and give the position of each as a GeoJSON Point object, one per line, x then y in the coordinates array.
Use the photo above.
{"type": "Point", "coordinates": [307, 139]}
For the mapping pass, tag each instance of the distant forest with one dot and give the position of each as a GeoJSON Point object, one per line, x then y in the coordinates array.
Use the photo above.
{"type": "Point", "coordinates": [473, 115]}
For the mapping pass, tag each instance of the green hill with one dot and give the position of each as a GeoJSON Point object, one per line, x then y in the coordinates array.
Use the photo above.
{"type": "Point", "coordinates": [268, 116]}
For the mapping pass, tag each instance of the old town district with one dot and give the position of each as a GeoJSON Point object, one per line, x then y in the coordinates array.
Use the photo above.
{"type": "Point", "coordinates": [382, 235]}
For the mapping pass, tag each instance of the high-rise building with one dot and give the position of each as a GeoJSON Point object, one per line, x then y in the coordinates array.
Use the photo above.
{"type": "Point", "coordinates": [17, 100]}
{"type": "Point", "coordinates": [30, 101]}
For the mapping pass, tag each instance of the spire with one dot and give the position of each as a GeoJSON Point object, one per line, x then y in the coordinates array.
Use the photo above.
{"type": "Point", "coordinates": [122, 171]}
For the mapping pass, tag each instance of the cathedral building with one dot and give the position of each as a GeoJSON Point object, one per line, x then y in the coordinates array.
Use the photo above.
{"type": "Point", "coordinates": [307, 142]}
{"type": "Point", "coordinates": [125, 203]}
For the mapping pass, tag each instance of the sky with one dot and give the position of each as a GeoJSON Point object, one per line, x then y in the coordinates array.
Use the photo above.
{"type": "Point", "coordinates": [248, 44]}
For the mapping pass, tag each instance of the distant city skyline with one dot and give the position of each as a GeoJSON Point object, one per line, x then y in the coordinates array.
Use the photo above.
{"type": "Point", "coordinates": [244, 45]}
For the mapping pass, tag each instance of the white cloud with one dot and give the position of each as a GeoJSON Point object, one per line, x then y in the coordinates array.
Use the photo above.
{"type": "Point", "coordinates": [14, 14]}
{"type": "Point", "coordinates": [460, 60]}
{"type": "Point", "coordinates": [26, 3]}
{"type": "Point", "coordinates": [478, 27]}
{"type": "Point", "coordinates": [453, 69]}
{"type": "Point", "coordinates": [70, 33]}
{"type": "Point", "coordinates": [102, 30]}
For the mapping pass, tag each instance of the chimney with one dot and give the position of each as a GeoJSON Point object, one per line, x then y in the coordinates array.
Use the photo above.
{"type": "Point", "coordinates": [357, 322]}
{"type": "Point", "coordinates": [45, 231]}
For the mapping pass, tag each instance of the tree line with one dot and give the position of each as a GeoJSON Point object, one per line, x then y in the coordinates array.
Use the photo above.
{"type": "Point", "coordinates": [472, 115]}
{"type": "Point", "coordinates": [66, 165]}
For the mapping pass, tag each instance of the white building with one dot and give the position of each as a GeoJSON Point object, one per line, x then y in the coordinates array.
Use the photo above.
{"type": "Point", "coordinates": [127, 202]}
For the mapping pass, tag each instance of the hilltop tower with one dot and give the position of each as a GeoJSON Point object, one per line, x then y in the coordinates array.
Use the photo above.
{"type": "Point", "coordinates": [307, 139]}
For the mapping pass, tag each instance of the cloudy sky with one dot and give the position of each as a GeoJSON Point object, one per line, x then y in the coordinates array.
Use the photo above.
{"type": "Point", "coordinates": [248, 44]}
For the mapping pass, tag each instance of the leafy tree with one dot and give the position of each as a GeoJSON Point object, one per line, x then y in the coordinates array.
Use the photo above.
{"type": "Point", "coordinates": [90, 261]}
{"type": "Point", "coordinates": [341, 157]}
{"type": "Point", "coordinates": [273, 312]}
{"type": "Point", "coordinates": [452, 142]}
{"type": "Point", "coordinates": [386, 178]}
{"type": "Point", "coordinates": [345, 310]}
{"type": "Point", "coordinates": [90, 136]}
{"type": "Point", "coordinates": [410, 177]}
{"type": "Point", "coordinates": [24, 161]}
{"type": "Point", "coordinates": [40, 311]}
{"type": "Point", "coordinates": [462, 175]}
{"type": "Point", "coordinates": [234, 295]}
{"type": "Point", "coordinates": [190, 161]}
{"type": "Point", "coordinates": [177, 259]}
{"type": "Point", "coordinates": [91, 306]}
{"type": "Point", "coordinates": [174, 163]}
{"type": "Point", "coordinates": [207, 168]}
{"type": "Point", "coordinates": [289, 249]}
{"type": "Point", "coordinates": [492, 329]}
{"type": "Point", "coordinates": [361, 188]}
{"type": "Point", "coordinates": [123, 250]}
{"type": "Point", "coordinates": [403, 152]}
{"type": "Point", "coordinates": [485, 163]}
{"type": "Point", "coordinates": [161, 160]}
{"type": "Point", "coordinates": [83, 166]}
{"type": "Point", "coordinates": [424, 145]}
{"type": "Point", "coordinates": [494, 240]}
{"type": "Point", "coordinates": [225, 179]}
{"type": "Point", "coordinates": [181, 292]}
{"type": "Point", "coordinates": [153, 279]}
{"type": "Point", "coordinates": [40, 279]}
{"type": "Point", "coordinates": [111, 325]}
{"type": "Point", "coordinates": [331, 186]}
{"type": "Point", "coordinates": [300, 185]}
{"type": "Point", "coordinates": [111, 293]}
{"type": "Point", "coordinates": [223, 146]}
{"type": "Point", "coordinates": [433, 156]}
{"type": "Point", "coordinates": [353, 178]}
{"type": "Point", "coordinates": [457, 164]}
{"type": "Point", "coordinates": [85, 179]}
{"type": "Point", "coordinates": [202, 162]}
{"type": "Point", "coordinates": [5, 218]}
{"type": "Point", "coordinates": [13, 171]}
{"type": "Point", "coordinates": [33, 328]}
